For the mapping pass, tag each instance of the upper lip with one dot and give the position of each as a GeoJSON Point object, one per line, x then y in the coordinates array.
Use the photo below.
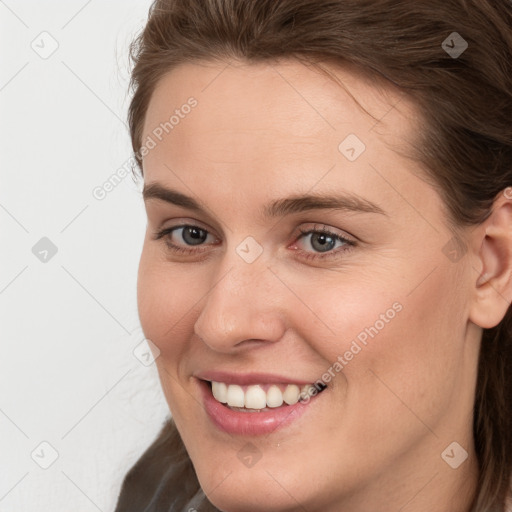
{"type": "Point", "coordinates": [249, 378]}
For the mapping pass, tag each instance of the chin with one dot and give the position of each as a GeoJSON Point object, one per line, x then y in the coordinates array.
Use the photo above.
{"type": "Point", "coordinates": [237, 489]}
{"type": "Point", "coordinates": [253, 499]}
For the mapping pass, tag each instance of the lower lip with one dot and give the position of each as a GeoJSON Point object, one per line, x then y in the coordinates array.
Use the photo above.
{"type": "Point", "coordinates": [251, 423]}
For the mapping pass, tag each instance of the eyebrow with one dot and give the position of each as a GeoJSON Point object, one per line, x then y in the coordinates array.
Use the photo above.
{"type": "Point", "coordinates": [279, 207]}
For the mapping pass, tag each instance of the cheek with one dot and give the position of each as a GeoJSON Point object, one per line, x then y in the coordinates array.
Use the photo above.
{"type": "Point", "coordinates": [415, 360]}
{"type": "Point", "coordinates": [385, 340]}
{"type": "Point", "coordinates": [340, 314]}
{"type": "Point", "coordinates": [163, 301]}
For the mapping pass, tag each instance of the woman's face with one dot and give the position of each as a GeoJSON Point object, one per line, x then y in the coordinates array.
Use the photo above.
{"type": "Point", "coordinates": [376, 309]}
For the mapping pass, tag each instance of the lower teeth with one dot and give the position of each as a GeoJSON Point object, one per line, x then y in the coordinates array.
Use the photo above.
{"type": "Point", "coordinates": [243, 409]}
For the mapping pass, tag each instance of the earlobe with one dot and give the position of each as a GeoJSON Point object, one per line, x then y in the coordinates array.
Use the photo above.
{"type": "Point", "coordinates": [493, 287]}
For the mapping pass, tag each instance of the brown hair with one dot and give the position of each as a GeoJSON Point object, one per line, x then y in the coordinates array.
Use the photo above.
{"type": "Point", "coordinates": [464, 143]}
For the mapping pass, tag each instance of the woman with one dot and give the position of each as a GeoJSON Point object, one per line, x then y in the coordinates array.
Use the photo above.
{"type": "Point", "coordinates": [326, 274]}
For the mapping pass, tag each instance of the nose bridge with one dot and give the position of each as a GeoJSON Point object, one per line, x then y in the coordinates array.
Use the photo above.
{"type": "Point", "coordinates": [241, 305]}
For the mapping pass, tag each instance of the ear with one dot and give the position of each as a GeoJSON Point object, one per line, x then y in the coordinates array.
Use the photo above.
{"type": "Point", "coordinates": [493, 288]}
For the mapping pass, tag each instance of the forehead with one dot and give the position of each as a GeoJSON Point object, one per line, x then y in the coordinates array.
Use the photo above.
{"type": "Point", "coordinates": [258, 129]}
{"type": "Point", "coordinates": [284, 103]}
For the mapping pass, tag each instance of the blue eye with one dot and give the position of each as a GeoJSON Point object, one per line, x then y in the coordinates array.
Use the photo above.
{"type": "Point", "coordinates": [321, 240]}
{"type": "Point", "coordinates": [325, 240]}
{"type": "Point", "coordinates": [193, 235]}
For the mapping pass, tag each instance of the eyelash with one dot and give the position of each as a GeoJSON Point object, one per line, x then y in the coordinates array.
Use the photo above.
{"type": "Point", "coordinates": [349, 244]}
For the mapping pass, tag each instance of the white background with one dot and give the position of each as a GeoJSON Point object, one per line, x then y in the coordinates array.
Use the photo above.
{"type": "Point", "coordinates": [69, 325]}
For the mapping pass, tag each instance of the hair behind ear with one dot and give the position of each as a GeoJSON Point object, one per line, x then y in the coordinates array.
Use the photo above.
{"type": "Point", "coordinates": [492, 426]}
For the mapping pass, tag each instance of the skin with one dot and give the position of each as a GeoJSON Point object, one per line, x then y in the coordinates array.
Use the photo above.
{"type": "Point", "coordinates": [375, 436]}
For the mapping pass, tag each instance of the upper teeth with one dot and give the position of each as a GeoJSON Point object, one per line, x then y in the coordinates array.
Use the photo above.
{"type": "Point", "coordinates": [255, 397]}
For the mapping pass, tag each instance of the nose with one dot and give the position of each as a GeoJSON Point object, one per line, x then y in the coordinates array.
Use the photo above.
{"type": "Point", "coordinates": [243, 308]}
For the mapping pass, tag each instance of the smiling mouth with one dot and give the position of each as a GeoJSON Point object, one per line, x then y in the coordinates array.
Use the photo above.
{"type": "Point", "coordinates": [262, 397]}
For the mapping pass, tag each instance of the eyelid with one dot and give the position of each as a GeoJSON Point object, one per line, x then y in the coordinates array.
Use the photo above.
{"type": "Point", "coordinates": [166, 231]}
{"type": "Point", "coordinates": [185, 222]}
{"type": "Point", "coordinates": [319, 227]}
